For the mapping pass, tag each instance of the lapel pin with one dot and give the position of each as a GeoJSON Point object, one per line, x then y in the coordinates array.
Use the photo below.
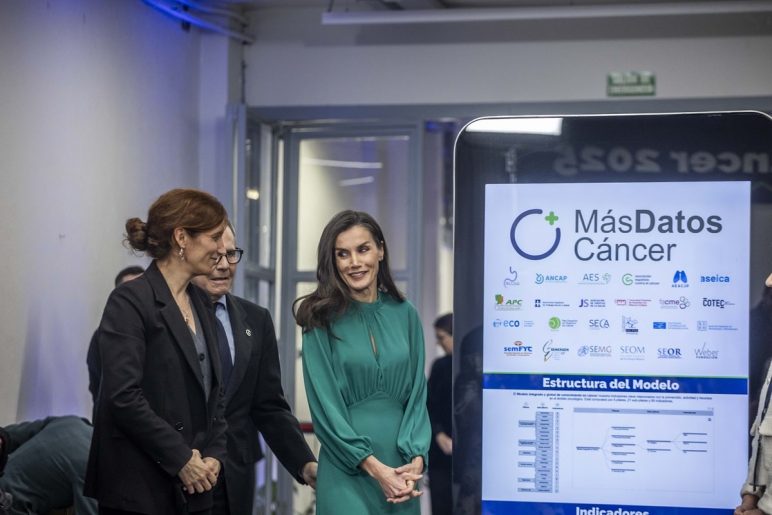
{"type": "Point", "coordinates": [249, 332]}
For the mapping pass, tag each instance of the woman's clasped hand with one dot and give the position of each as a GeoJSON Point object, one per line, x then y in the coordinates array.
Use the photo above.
{"type": "Point", "coordinates": [398, 484]}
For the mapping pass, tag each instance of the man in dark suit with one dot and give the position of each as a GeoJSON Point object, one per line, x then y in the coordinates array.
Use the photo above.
{"type": "Point", "coordinates": [254, 399]}
{"type": "Point", "coordinates": [46, 464]}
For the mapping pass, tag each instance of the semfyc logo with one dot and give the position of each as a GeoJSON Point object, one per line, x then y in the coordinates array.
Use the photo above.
{"type": "Point", "coordinates": [550, 218]}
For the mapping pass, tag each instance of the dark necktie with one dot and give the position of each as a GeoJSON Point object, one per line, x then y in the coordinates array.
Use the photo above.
{"type": "Point", "coordinates": [226, 361]}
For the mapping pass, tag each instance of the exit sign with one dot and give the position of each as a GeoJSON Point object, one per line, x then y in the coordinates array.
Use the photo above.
{"type": "Point", "coordinates": [631, 84]}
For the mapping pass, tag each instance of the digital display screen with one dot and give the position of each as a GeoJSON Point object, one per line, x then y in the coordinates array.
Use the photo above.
{"type": "Point", "coordinates": [612, 373]}
{"type": "Point", "coordinates": [611, 320]}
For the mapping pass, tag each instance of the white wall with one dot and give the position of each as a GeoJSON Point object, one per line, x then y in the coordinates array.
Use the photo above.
{"type": "Point", "coordinates": [219, 72]}
{"type": "Point", "coordinates": [299, 62]}
{"type": "Point", "coordinates": [99, 114]}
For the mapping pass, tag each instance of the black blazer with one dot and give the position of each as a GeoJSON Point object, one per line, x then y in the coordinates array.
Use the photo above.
{"type": "Point", "coordinates": [254, 401]}
{"type": "Point", "coordinates": [94, 368]}
{"type": "Point", "coordinates": [152, 408]}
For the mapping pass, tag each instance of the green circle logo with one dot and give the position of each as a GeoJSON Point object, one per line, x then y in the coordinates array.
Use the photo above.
{"type": "Point", "coordinates": [554, 323]}
{"type": "Point", "coordinates": [627, 279]}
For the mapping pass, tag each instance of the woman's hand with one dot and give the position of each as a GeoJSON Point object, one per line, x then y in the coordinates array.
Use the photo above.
{"type": "Point", "coordinates": [416, 466]}
{"type": "Point", "coordinates": [412, 469]}
{"type": "Point", "coordinates": [214, 466]}
{"type": "Point", "coordinates": [198, 476]}
{"type": "Point", "coordinates": [396, 486]}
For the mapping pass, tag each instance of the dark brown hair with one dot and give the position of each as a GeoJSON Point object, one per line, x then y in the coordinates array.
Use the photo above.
{"type": "Point", "coordinates": [445, 323]}
{"type": "Point", "coordinates": [332, 295]}
{"type": "Point", "coordinates": [129, 270]}
{"type": "Point", "coordinates": [194, 210]}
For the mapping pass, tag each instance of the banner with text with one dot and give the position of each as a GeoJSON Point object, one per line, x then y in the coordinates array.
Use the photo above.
{"type": "Point", "coordinates": [615, 356]}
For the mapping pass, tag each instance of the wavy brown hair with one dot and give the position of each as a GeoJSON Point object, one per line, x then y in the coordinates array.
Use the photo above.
{"type": "Point", "coordinates": [332, 296]}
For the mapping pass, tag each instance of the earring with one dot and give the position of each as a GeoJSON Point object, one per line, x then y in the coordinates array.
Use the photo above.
{"type": "Point", "coordinates": [181, 253]}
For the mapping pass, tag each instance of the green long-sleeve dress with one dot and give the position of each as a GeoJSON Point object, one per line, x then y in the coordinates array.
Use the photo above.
{"type": "Point", "coordinates": [367, 392]}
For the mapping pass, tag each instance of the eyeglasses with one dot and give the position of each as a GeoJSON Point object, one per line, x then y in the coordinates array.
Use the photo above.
{"type": "Point", "coordinates": [232, 256]}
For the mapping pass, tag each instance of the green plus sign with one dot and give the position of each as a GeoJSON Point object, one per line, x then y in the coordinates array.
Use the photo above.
{"type": "Point", "coordinates": [551, 218]}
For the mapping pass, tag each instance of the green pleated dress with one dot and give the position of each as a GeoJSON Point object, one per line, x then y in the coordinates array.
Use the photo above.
{"type": "Point", "coordinates": [366, 402]}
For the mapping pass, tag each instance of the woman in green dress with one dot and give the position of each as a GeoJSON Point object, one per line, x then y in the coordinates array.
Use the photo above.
{"type": "Point", "coordinates": [363, 365]}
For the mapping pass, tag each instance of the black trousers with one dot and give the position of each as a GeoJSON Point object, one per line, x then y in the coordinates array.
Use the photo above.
{"type": "Point", "coordinates": [441, 491]}
{"type": "Point", "coordinates": [220, 506]}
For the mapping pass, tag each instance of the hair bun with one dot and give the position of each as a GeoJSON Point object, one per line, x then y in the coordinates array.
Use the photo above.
{"type": "Point", "coordinates": [136, 234]}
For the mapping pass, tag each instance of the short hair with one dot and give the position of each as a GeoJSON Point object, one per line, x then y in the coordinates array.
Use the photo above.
{"type": "Point", "coordinates": [231, 227]}
{"type": "Point", "coordinates": [194, 210]}
{"type": "Point", "coordinates": [129, 270]}
{"type": "Point", "coordinates": [445, 323]}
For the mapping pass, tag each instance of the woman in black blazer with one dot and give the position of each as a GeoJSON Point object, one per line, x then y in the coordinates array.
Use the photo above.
{"type": "Point", "coordinates": [159, 430]}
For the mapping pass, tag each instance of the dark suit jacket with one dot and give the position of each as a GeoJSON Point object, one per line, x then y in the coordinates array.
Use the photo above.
{"type": "Point", "coordinates": [152, 408]}
{"type": "Point", "coordinates": [47, 464]}
{"type": "Point", "coordinates": [93, 362]}
{"type": "Point", "coordinates": [255, 402]}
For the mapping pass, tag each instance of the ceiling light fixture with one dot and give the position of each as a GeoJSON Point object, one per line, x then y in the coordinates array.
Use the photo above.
{"type": "Point", "coordinates": [548, 126]}
{"type": "Point", "coordinates": [484, 14]}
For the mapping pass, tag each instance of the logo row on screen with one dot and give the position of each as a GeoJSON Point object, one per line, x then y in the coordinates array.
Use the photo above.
{"type": "Point", "coordinates": [502, 302]}
{"type": "Point", "coordinates": [679, 279]}
{"type": "Point", "coordinates": [553, 351]}
{"type": "Point", "coordinates": [627, 324]}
